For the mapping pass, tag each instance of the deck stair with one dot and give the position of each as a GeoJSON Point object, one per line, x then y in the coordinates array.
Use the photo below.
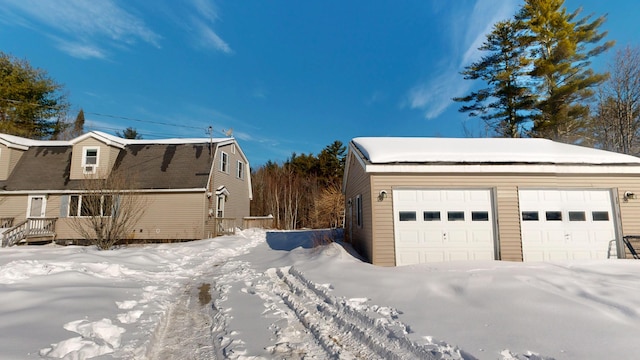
{"type": "Point", "coordinates": [632, 242]}
{"type": "Point", "coordinates": [30, 230]}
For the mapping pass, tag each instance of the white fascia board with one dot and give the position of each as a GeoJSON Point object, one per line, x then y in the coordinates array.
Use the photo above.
{"type": "Point", "coordinates": [13, 145]}
{"type": "Point", "coordinates": [352, 151]}
{"type": "Point", "coordinates": [502, 169]}
{"type": "Point", "coordinates": [79, 191]}
{"type": "Point", "coordinates": [100, 136]}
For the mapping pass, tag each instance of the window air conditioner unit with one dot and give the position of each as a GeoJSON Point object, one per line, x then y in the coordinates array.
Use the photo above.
{"type": "Point", "coordinates": [89, 169]}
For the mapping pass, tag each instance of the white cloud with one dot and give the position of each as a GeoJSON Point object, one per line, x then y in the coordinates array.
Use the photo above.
{"type": "Point", "coordinates": [83, 24]}
{"type": "Point", "coordinates": [81, 51]}
{"type": "Point", "coordinates": [433, 96]}
{"type": "Point", "coordinates": [206, 9]}
{"type": "Point", "coordinates": [209, 39]}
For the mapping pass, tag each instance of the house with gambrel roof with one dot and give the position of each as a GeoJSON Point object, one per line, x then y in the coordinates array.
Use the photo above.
{"type": "Point", "coordinates": [193, 187]}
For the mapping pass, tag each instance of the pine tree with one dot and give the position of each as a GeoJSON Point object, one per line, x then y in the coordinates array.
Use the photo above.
{"type": "Point", "coordinates": [32, 104]}
{"type": "Point", "coordinates": [78, 125]}
{"type": "Point", "coordinates": [505, 104]}
{"type": "Point", "coordinates": [129, 133]}
{"type": "Point", "coordinates": [561, 46]}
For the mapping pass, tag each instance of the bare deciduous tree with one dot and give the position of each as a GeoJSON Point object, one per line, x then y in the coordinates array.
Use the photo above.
{"type": "Point", "coordinates": [616, 121]}
{"type": "Point", "coordinates": [106, 211]}
{"type": "Point", "coordinates": [328, 207]}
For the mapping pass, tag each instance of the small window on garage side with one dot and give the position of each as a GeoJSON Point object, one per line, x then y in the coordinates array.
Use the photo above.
{"type": "Point", "coordinates": [358, 204]}
{"type": "Point", "coordinates": [431, 215]}
{"type": "Point", "coordinates": [600, 215]}
{"type": "Point", "coordinates": [554, 215]}
{"type": "Point", "coordinates": [455, 215]}
{"type": "Point", "coordinates": [407, 216]}
{"type": "Point", "coordinates": [479, 216]}
{"type": "Point", "coordinates": [530, 216]}
{"type": "Point", "coordinates": [577, 216]}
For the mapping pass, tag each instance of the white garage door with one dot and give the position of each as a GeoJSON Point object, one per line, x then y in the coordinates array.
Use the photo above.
{"type": "Point", "coordinates": [566, 224]}
{"type": "Point", "coordinates": [443, 225]}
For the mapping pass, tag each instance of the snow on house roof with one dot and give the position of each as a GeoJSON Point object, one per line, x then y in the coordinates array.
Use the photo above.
{"type": "Point", "coordinates": [174, 141]}
{"type": "Point", "coordinates": [23, 143]}
{"type": "Point", "coordinates": [385, 150]}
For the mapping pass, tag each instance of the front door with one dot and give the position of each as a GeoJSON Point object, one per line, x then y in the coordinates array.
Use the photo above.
{"type": "Point", "coordinates": [37, 206]}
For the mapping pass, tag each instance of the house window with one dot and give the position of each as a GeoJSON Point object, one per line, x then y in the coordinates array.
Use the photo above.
{"type": "Point", "coordinates": [240, 169]}
{"type": "Point", "coordinates": [224, 162]}
{"type": "Point", "coordinates": [90, 205]}
{"type": "Point", "coordinates": [359, 211]}
{"type": "Point", "coordinates": [89, 159]}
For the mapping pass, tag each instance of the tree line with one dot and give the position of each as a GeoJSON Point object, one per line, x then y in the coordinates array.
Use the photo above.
{"type": "Point", "coordinates": [302, 192]}
{"type": "Point", "coordinates": [539, 82]}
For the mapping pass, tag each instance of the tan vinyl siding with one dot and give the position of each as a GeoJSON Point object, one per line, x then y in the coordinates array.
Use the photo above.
{"type": "Point", "coordinates": [358, 183]}
{"type": "Point", "coordinates": [14, 206]}
{"type": "Point", "coordinates": [106, 157]}
{"type": "Point", "coordinates": [8, 159]}
{"type": "Point", "coordinates": [383, 230]}
{"type": "Point", "coordinates": [505, 187]}
{"type": "Point", "coordinates": [167, 216]}
{"type": "Point", "coordinates": [237, 205]}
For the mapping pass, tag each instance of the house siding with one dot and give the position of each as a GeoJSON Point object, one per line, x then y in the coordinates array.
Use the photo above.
{"type": "Point", "coordinates": [14, 206]}
{"type": "Point", "coordinates": [9, 157]}
{"type": "Point", "coordinates": [358, 183]}
{"type": "Point", "coordinates": [182, 222]}
{"type": "Point", "coordinates": [505, 187]}
{"type": "Point", "coordinates": [238, 202]}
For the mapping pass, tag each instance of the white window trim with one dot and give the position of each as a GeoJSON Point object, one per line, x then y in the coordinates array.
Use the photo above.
{"type": "Point", "coordinates": [44, 206]}
{"type": "Point", "coordinates": [84, 159]}
{"type": "Point", "coordinates": [220, 200]}
{"type": "Point", "coordinates": [240, 169]}
{"type": "Point", "coordinates": [223, 156]}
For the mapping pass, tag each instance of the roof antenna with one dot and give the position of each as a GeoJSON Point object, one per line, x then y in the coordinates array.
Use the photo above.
{"type": "Point", "coordinates": [210, 132]}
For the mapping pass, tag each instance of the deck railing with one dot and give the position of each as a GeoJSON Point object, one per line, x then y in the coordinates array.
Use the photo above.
{"type": "Point", "coordinates": [30, 228]}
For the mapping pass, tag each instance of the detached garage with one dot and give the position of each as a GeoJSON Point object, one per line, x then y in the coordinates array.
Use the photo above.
{"type": "Point", "coordinates": [421, 200]}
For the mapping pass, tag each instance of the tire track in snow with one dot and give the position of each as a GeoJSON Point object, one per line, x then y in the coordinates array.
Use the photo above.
{"type": "Point", "coordinates": [345, 332]}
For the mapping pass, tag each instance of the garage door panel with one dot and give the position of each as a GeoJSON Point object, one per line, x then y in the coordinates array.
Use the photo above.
{"type": "Point", "coordinates": [482, 237]}
{"type": "Point", "coordinates": [409, 237]}
{"type": "Point", "coordinates": [452, 225]}
{"type": "Point", "coordinates": [572, 224]}
{"type": "Point", "coordinates": [433, 257]}
{"type": "Point", "coordinates": [408, 257]}
{"type": "Point", "coordinates": [457, 237]}
{"type": "Point", "coordinates": [458, 255]}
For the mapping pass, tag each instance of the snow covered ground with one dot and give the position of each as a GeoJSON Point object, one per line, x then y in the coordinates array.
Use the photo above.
{"type": "Point", "coordinates": [275, 295]}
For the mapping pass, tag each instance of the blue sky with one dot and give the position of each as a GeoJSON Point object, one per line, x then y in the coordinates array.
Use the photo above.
{"type": "Point", "coordinates": [286, 76]}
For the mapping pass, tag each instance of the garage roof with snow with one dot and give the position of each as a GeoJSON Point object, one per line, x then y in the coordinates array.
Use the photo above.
{"type": "Point", "coordinates": [389, 150]}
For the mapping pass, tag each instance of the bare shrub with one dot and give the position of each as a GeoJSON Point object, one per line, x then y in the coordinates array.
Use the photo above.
{"type": "Point", "coordinates": [106, 210]}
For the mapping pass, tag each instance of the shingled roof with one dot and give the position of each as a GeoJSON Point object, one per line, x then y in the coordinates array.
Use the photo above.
{"type": "Point", "coordinates": [166, 166]}
{"type": "Point", "coordinates": [149, 166]}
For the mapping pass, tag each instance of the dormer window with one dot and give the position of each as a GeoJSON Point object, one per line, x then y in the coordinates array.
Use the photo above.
{"type": "Point", "coordinates": [89, 159]}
